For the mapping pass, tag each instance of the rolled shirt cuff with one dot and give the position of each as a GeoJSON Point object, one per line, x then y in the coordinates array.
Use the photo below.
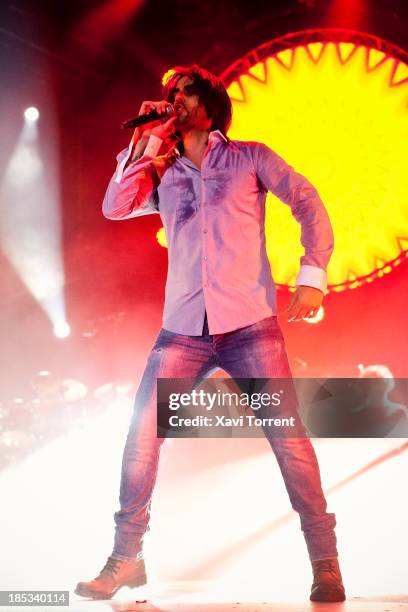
{"type": "Point", "coordinates": [152, 149]}
{"type": "Point", "coordinates": [312, 276]}
{"type": "Point", "coordinates": [122, 159]}
{"type": "Point", "coordinates": [153, 146]}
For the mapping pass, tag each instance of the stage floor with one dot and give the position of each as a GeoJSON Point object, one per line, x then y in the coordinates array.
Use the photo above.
{"type": "Point", "coordinates": [179, 597]}
{"type": "Point", "coordinates": [223, 536]}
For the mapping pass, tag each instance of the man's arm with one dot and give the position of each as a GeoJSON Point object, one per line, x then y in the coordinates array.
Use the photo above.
{"type": "Point", "coordinates": [317, 237]}
{"type": "Point", "coordinates": [132, 190]}
{"type": "Point", "coordinates": [307, 208]}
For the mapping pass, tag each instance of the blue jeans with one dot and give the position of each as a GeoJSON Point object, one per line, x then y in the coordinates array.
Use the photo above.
{"type": "Point", "coordinates": [256, 351]}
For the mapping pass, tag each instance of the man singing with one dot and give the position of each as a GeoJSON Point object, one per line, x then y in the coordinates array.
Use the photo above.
{"type": "Point", "coordinates": [220, 303]}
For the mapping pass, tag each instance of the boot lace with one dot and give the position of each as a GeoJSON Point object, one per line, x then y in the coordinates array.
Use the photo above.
{"type": "Point", "coordinates": [326, 565]}
{"type": "Point", "coordinates": [112, 566]}
{"type": "Point", "coordinates": [325, 570]}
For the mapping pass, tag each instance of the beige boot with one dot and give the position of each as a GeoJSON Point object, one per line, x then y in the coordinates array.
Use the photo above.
{"type": "Point", "coordinates": [114, 575]}
{"type": "Point", "coordinates": [327, 581]}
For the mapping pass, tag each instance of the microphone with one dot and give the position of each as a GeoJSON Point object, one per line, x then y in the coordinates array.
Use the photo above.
{"type": "Point", "coordinates": [147, 118]}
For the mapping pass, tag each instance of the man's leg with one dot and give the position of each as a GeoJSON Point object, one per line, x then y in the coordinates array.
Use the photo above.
{"type": "Point", "coordinates": [258, 351]}
{"type": "Point", "coordinates": [173, 356]}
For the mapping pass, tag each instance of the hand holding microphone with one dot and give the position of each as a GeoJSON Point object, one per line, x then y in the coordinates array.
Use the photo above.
{"type": "Point", "coordinates": [160, 118]}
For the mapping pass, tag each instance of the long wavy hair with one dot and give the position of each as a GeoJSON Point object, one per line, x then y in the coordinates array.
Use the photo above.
{"type": "Point", "coordinates": [211, 93]}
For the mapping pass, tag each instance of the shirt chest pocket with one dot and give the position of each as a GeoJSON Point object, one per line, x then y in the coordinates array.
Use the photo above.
{"type": "Point", "coordinates": [218, 185]}
{"type": "Point", "coordinates": [230, 182]}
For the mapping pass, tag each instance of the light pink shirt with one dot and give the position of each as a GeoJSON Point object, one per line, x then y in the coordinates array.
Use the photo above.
{"type": "Point", "coordinates": [214, 222]}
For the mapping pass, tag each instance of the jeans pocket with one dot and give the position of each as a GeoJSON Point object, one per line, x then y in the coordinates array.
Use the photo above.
{"type": "Point", "coordinates": [269, 325]}
{"type": "Point", "coordinates": [162, 340]}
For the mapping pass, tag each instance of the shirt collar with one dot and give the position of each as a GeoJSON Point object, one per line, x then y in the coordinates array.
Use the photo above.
{"type": "Point", "coordinates": [218, 134]}
{"type": "Point", "coordinates": [214, 135]}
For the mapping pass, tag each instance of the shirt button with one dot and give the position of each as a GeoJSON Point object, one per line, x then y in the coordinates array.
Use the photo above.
{"type": "Point", "coordinates": [205, 257]}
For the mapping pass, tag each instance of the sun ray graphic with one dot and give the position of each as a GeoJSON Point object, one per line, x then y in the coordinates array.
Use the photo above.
{"type": "Point", "coordinates": [336, 112]}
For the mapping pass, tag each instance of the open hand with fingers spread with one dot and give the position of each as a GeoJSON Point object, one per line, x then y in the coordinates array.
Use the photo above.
{"type": "Point", "coordinates": [305, 303]}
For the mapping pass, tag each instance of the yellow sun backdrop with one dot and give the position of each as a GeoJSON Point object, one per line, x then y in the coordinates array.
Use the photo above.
{"type": "Point", "coordinates": [337, 112]}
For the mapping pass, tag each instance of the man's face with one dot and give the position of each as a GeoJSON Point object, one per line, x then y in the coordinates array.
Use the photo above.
{"type": "Point", "coordinates": [190, 113]}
